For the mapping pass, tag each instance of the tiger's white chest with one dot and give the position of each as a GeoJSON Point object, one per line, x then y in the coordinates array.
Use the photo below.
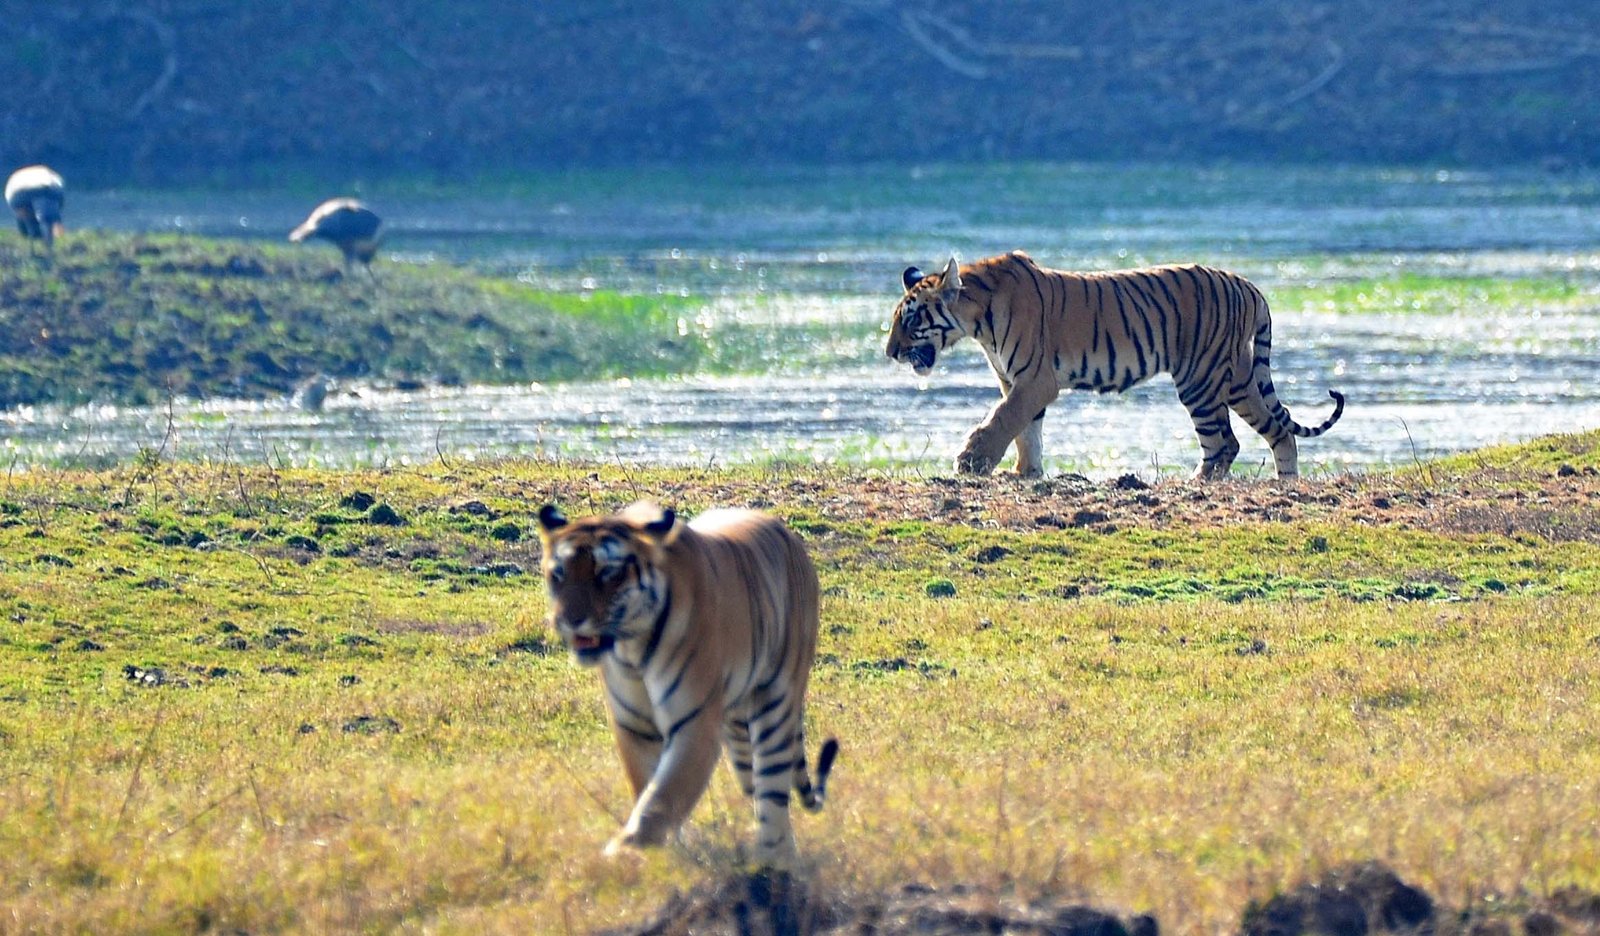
{"type": "Point", "coordinates": [627, 684]}
{"type": "Point", "coordinates": [996, 363]}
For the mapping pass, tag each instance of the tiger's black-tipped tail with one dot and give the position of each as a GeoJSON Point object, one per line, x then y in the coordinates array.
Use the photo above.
{"type": "Point", "coordinates": [811, 797]}
{"type": "Point", "coordinates": [1311, 433]}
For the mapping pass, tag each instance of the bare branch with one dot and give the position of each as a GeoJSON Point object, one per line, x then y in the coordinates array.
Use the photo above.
{"type": "Point", "coordinates": [169, 65]}
{"type": "Point", "coordinates": [912, 23]}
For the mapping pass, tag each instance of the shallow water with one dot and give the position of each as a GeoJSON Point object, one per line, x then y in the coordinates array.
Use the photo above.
{"type": "Point", "coordinates": [827, 245]}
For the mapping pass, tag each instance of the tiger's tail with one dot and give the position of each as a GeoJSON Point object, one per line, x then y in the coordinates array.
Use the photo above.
{"type": "Point", "coordinates": [811, 797]}
{"type": "Point", "coordinates": [1261, 373]}
{"type": "Point", "coordinates": [1311, 432]}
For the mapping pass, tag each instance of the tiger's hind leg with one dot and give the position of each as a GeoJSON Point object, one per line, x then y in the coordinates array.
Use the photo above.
{"type": "Point", "coordinates": [776, 751]}
{"type": "Point", "coordinates": [1250, 402]}
{"type": "Point", "coordinates": [1218, 445]}
{"type": "Point", "coordinates": [736, 737]}
{"type": "Point", "coordinates": [1218, 448]}
{"type": "Point", "coordinates": [1285, 451]}
{"type": "Point", "coordinates": [1256, 401]}
{"type": "Point", "coordinates": [1030, 449]}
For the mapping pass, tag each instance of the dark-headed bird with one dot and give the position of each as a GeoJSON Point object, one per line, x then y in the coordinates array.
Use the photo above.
{"type": "Point", "coordinates": [350, 225]}
{"type": "Point", "coordinates": [36, 194]}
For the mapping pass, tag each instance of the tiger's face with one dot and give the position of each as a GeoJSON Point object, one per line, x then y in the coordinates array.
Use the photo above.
{"type": "Point", "coordinates": [925, 322]}
{"type": "Point", "coordinates": [603, 575]}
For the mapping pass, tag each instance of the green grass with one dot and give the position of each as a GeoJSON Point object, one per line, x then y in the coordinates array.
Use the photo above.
{"type": "Point", "coordinates": [1413, 294]}
{"type": "Point", "coordinates": [1577, 452]}
{"type": "Point", "coordinates": [361, 724]}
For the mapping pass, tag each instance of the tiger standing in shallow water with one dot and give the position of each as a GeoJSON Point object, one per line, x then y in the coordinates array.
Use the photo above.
{"type": "Point", "coordinates": [1045, 331]}
{"type": "Point", "coordinates": [704, 635]}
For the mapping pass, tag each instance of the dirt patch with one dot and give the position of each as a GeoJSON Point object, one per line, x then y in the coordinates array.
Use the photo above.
{"type": "Point", "coordinates": [1548, 505]}
{"type": "Point", "coordinates": [1353, 900]}
{"type": "Point", "coordinates": [399, 626]}
{"type": "Point", "coordinates": [1563, 522]}
{"type": "Point", "coordinates": [780, 905]}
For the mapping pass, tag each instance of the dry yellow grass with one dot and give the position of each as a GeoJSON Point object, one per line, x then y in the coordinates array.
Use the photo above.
{"type": "Point", "coordinates": [1173, 757]}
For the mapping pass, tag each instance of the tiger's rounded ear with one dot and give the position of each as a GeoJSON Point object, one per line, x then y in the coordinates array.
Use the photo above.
{"type": "Point", "coordinates": [950, 280]}
{"type": "Point", "coordinates": [551, 518]}
{"type": "Point", "coordinates": [911, 277]}
{"type": "Point", "coordinates": [653, 521]}
{"type": "Point", "coordinates": [663, 526]}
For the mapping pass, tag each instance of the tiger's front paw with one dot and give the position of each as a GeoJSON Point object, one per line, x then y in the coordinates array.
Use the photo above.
{"type": "Point", "coordinates": [638, 835]}
{"type": "Point", "coordinates": [974, 464]}
{"type": "Point", "coordinates": [974, 461]}
{"type": "Point", "coordinates": [621, 845]}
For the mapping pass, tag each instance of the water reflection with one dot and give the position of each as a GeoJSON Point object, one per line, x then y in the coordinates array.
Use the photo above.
{"type": "Point", "coordinates": [1416, 388]}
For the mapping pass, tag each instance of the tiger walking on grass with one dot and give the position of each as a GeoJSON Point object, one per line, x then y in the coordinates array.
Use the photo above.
{"type": "Point", "coordinates": [1045, 331]}
{"type": "Point", "coordinates": [704, 635]}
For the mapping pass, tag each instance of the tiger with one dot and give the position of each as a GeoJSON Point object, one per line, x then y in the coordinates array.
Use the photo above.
{"type": "Point", "coordinates": [703, 634]}
{"type": "Point", "coordinates": [1045, 331]}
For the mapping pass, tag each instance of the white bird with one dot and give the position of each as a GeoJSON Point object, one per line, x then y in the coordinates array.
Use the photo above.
{"type": "Point", "coordinates": [350, 225]}
{"type": "Point", "coordinates": [36, 194]}
{"type": "Point", "coordinates": [310, 393]}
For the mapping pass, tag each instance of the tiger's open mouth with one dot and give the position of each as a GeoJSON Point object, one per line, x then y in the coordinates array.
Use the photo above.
{"type": "Point", "coordinates": [921, 359]}
{"type": "Point", "coordinates": [590, 648]}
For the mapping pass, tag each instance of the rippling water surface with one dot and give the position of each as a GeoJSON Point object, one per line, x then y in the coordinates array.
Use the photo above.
{"type": "Point", "coordinates": [780, 247]}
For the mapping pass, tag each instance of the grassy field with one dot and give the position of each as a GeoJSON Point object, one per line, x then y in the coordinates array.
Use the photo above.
{"type": "Point", "coordinates": [1413, 294]}
{"type": "Point", "coordinates": [240, 699]}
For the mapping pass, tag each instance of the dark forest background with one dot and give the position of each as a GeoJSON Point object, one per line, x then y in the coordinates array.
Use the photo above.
{"type": "Point", "coordinates": [198, 91]}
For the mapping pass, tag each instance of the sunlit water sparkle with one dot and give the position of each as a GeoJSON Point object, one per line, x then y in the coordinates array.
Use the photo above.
{"type": "Point", "coordinates": [814, 246]}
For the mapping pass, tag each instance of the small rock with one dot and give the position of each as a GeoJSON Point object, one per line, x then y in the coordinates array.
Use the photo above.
{"type": "Point", "coordinates": [1255, 647]}
{"type": "Point", "coordinates": [472, 508]}
{"type": "Point", "coordinates": [990, 554]}
{"type": "Point", "coordinates": [384, 515]}
{"type": "Point", "coordinates": [357, 500]}
{"type": "Point", "coordinates": [371, 725]}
